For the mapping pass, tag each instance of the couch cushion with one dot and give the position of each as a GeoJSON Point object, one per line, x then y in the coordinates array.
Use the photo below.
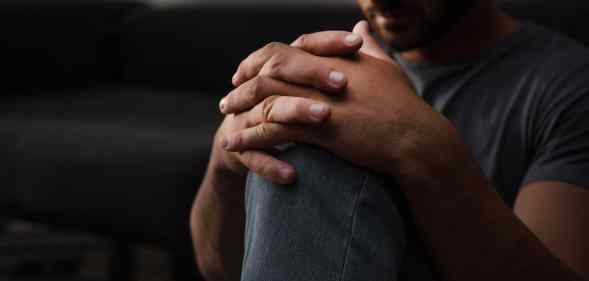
{"type": "Point", "coordinates": [116, 161]}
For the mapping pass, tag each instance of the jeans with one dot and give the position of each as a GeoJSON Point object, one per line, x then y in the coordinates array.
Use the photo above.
{"type": "Point", "coordinates": [338, 222]}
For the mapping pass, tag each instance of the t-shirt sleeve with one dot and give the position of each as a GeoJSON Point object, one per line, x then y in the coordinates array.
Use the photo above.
{"type": "Point", "coordinates": [560, 143]}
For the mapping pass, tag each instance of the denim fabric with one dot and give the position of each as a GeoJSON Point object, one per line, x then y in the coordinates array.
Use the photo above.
{"type": "Point", "coordinates": [338, 222]}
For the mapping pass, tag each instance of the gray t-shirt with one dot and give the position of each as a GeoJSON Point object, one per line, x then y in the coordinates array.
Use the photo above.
{"type": "Point", "coordinates": [522, 107]}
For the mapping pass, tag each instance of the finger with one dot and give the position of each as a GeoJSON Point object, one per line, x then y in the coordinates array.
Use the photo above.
{"type": "Point", "coordinates": [370, 46]}
{"type": "Point", "coordinates": [329, 43]}
{"type": "Point", "coordinates": [267, 167]}
{"type": "Point", "coordinates": [292, 65]}
{"type": "Point", "coordinates": [254, 91]}
{"type": "Point", "coordinates": [286, 110]}
{"type": "Point", "coordinates": [304, 69]}
{"type": "Point", "coordinates": [262, 136]}
{"type": "Point", "coordinates": [251, 66]}
{"type": "Point", "coordinates": [292, 110]}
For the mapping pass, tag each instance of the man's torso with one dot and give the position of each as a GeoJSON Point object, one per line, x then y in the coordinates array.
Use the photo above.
{"type": "Point", "coordinates": [513, 105]}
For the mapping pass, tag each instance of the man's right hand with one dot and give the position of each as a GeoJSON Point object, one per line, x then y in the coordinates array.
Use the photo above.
{"type": "Point", "coordinates": [276, 112]}
{"type": "Point", "coordinates": [277, 109]}
{"type": "Point", "coordinates": [217, 219]}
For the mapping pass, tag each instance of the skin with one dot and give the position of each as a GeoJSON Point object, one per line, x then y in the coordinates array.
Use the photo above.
{"type": "Point", "coordinates": [279, 91]}
{"type": "Point", "coordinates": [408, 25]}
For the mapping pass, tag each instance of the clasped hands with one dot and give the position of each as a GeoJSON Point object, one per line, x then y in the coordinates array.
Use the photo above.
{"type": "Point", "coordinates": [334, 89]}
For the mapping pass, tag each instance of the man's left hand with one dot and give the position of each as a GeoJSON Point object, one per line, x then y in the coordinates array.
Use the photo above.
{"type": "Point", "coordinates": [377, 120]}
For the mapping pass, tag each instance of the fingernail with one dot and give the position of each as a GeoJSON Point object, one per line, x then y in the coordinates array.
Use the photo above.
{"type": "Point", "coordinates": [336, 78]}
{"type": "Point", "coordinates": [223, 105]}
{"type": "Point", "coordinates": [352, 40]}
{"type": "Point", "coordinates": [318, 110]}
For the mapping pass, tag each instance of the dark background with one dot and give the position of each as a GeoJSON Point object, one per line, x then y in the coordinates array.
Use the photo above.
{"type": "Point", "coordinates": [107, 110]}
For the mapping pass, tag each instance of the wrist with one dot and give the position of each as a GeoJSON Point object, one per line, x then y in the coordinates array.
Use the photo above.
{"type": "Point", "coordinates": [436, 160]}
{"type": "Point", "coordinates": [222, 178]}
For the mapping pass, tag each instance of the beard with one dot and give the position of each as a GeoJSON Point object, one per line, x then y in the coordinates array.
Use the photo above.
{"type": "Point", "coordinates": [438, 18]}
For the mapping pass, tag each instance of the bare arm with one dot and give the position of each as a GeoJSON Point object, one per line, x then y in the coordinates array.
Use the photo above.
{"type": "Point", "coordinates": [474, 235]}
{"type": "Point", "coordinates": [558, 213]}
{"type": "Point", "coordinates": [217, 222]}
{"type": "Point", "coordinates": [217, 217]}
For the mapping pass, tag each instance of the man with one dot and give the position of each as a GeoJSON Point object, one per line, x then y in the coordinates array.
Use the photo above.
{"type": "Point", "coordinates": [479, 123]}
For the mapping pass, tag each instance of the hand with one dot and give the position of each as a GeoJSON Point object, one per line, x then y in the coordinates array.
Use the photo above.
{"type": "Point", "coordinates": [380, 123]}
{"type": "Point", "coordinates": [270, 115]}
{"type": "Point", "coordinates": [332, 43]}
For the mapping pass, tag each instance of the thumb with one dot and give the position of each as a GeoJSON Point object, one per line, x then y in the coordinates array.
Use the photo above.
{"type": "Point", "coordinates": [370, 46]}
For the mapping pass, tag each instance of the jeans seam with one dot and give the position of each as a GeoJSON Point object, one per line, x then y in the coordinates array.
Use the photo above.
{"type": "Point", "coordinates": [249, 220]}
{"type": "Point", "coordinates": [352, 228]}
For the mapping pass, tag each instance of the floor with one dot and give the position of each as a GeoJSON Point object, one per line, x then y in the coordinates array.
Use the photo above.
{"type": "Point", "coordinates": [30, 252]}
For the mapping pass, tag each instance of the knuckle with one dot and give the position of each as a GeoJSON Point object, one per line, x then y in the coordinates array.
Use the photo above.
{"type": "Point", "coordinates": [273, 47]}
{"type": "Point", "coordinates": [246, 158]}
{"type": "Point", "coordinates": [237, 140]}
{"type": "Point", "coordinates": [239, 122]}
{"type": "Point", "coordinates": [317, 73]}
{"type": "Point", "coordinates": [263, 131]}
{"type": "Point", "coordinates": [249, 122]}
{"type": "Point", "coordinates": [267, 106]}
{"type": "Point", "coordinates": [274, 64]}
{"type": "Point", "coordinates": [256, 87]}
{"type": "Point", "coordinates": [250, 118]}
{"type": "Point", "coordinates": [300, 108]}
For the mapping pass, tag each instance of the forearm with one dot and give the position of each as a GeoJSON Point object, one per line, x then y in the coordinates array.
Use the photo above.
{"type": "Point", "coordinates": [471, 232]}
{"type": "Point", "coordinates": [217, 222]}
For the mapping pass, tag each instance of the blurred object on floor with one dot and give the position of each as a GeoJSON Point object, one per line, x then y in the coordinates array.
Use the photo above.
{"type": "Point", "coordinates": [31, 252]}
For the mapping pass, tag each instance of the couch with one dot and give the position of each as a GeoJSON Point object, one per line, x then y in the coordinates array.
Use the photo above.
{"type": "Point", "coordinates": [108, 108]}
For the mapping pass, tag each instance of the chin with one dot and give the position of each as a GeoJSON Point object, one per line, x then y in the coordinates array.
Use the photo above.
{"type": "Point", "coordinates": [401, 39]}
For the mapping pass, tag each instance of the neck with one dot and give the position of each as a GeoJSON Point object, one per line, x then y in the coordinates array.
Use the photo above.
{"type": "Point", "coordinates": [482, 28]}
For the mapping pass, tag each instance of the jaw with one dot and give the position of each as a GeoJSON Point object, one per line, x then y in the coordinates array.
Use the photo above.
{"type": "Point", "coordinates": [434, 27]}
